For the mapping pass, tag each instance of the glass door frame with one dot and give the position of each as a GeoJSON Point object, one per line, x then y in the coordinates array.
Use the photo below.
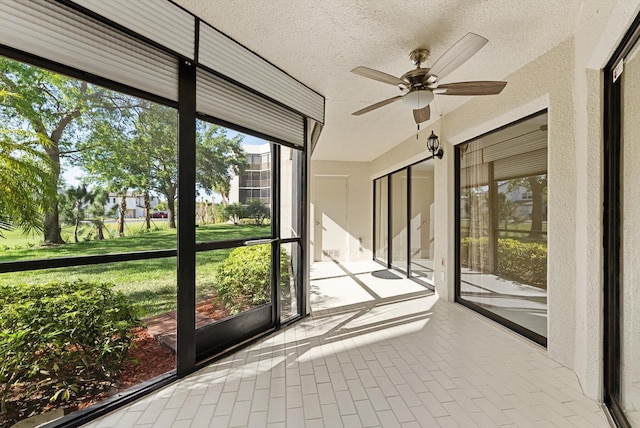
{"type": "Point", "coordinates": [219, 336]}
{"type": "Point", "coordinates": [612, 263]}
{"type": "Point", "coordinates": [457, 280]}
{"type": "Point", "coordinates": [407, 269]}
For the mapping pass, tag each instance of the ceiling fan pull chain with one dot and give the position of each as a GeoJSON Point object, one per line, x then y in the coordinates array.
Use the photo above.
{"type": "Point", "coordinates": [418, 131]}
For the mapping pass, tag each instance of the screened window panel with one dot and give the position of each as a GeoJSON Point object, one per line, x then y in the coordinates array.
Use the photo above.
{"type": "Point", "coordinates": [158, 20]}
{"type": "Point", "coordinates": [58, 33]}
{"type": "Point", "coordinates": [223, 100]}
{"type": "Point", "coordinates": [227, 57]}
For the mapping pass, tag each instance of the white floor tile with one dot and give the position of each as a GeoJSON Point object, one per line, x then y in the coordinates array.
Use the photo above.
{"type": "Point", "coordinates": [375, 352]}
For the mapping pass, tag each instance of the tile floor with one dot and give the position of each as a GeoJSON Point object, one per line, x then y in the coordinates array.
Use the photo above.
{"type": "Point", "coordinates": [377, 352]}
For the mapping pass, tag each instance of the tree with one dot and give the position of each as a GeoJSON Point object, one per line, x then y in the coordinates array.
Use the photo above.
{"type": "Point", "coordinates": [25, 184]}
{"type": "Point", "coordinates": [217, 158]}
{"type": "Point", "coordinates": [73, 205]}
{"type": "Point", "coordinates": [139, 154]}
{"type": "Point", "coordinates": [257, 210]}
{"type": "Point", "coordinates": [155, 145]}
{"type": "Point", "coordinates": [97, 211]}
{"type": "Point", "coordinates": [57, 110]}
{"type": "Point", "coordinates": [507, 210]}
{"type": "Point", "coordinates": [537, 185]}
{"type": "Point", "coordinates": [233, 212]}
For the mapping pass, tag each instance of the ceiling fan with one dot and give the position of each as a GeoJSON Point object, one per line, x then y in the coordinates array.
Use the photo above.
{"type": "Point", "coordinates": [420, 84]}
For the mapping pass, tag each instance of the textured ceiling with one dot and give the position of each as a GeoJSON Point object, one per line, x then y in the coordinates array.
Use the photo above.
{"type": "Point", "coordinates": [319, 42]}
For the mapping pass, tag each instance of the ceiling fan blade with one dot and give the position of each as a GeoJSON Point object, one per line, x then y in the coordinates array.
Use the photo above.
{"type": "Point", "coordinates": [422, 115]}
{"type": "Point", "coordinates": [370, 73]}
{"type": "Point", "coordinates": [376, 105]}
{"type": "Point", "coordinates": [457, 54]}
{"type": "Point", "coordinates": [471, 88]}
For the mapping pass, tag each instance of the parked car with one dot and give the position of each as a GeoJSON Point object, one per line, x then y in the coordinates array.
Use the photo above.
{"type": "Point", "coordinates": [159, 214]}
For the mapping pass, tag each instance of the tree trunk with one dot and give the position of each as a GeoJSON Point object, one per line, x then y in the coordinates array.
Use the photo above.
{"type": "Point", "coordinates": [122, 211]}
{"type": "Point", "coordinates": [52, 149]}
{"type": "Point", "coordinates": [99, 231]}
{"type": "Point", "coordinates": [51, 214]}
{"type": "Point", "coordinates": [537, 188]}
{"type": "Point", "coordinates": [147, 210]}
{"type": "Point", "coordinates": [171, 216]}
{"type": "Point", "coordinates": [75, 230]}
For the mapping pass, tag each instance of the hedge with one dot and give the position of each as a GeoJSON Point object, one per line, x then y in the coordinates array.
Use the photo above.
{"type": "Point", "coordinates": [60, 336]}
{"type": "Point", "coordinates": [525, 262]}
{"type": "Point", "coordinates": [243, 280]}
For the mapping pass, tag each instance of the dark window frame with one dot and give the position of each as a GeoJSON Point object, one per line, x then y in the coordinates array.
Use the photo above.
{"type": "Point", "coordinates": [375, 183]}
{"type": "Point", "coordinates": [186, 247]}
{"type": "Point", "coordinates": [523, 331]}
{"type": "Point", "coordinates": [612, 222]}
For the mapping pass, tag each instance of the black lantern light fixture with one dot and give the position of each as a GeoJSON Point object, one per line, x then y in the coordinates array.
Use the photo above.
{"type": "Point", "coordinates": [433, 145]}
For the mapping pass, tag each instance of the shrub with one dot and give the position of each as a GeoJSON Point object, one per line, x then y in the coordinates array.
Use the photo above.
{"type": "Point", "coordinates": [58, 336]}
{"type": "Point", "coordinates": [474, 253]}
{"type": "Point", "coordinates": [257, 211]}
{"type": "Point", "coordinates": [243, 280]}
{"type": "Point", "coordinates": [232, 212]}
{"type": "Point", "coordinates": [525, 262]}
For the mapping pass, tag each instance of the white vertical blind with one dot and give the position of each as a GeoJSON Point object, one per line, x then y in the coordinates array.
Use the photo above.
{"type": "Point", "coordinates": [227, 57]}
{"type": "Point", "coordinates": [220, 99]}
{"type": "Point", "coordinates": [58, 33]}
{"type": "Point", "coordinates": [158, 20]}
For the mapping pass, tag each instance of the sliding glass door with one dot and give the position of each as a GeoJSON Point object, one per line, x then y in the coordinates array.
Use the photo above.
{"type": "Point", "coordinates": [422, 222]}
{"type": "Point", "coordinates": [404, 221]}
{"type": "Point", "coordinates": [502, 226]}
{"type": "Point", "coordinates": [622, 234]}
{"type": "Point", "coordinates": [398, 219]}
{"type": "Point", "coordinates": [381, 222]}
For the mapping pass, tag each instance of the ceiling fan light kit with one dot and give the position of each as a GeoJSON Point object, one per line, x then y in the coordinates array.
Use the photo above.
{"type": "Point", "coordinates": [420, 84]}
{"type": "Point", "coordinates": [417, 99]}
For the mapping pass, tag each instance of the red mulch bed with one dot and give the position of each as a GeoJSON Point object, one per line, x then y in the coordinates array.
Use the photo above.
{"type": "Point", "coordinates": [154, 359]}
{"type": "Point", "coordinates": [149, 358]}
{"type": "Point", "coordinates": [212, 308]}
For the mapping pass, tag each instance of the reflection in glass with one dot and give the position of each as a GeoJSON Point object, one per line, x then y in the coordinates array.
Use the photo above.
{"type": "Point", "coordinates": [231, 281]}
{"type": "Point", "coordinates": [630, 236]}
{"type": "Point", "coordinates": [503, 227]}
{"type": "Point", "coordinates": [381, 218]}
{"type": "Point", "coordinates": [422, 226]}
{"type": "Point", "coordinates": [399, 220]}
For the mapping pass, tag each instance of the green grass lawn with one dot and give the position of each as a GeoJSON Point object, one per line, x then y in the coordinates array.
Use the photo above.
{"type": "Point", "coordinates": [150, 284]}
